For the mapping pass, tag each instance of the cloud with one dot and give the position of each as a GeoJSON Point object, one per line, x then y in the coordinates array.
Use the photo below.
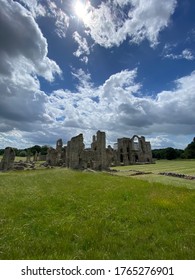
{"type": "Point", "coordinates": [35, 7]}
{"type": "Point", "coordinates": [109, 25]}
{"type": "Point", "coordinates": [50, 9]}
{"type": "Point", "coordinates": [22, 43]}
{"type": "Point", "coordinates": [83, 48]}
{"type": "Point", "coordinates": [23, 56]}
{"type": "Point", "coordinates": [115, 106]}
{"type": "Point", "coordinates": [60, 17]}
{"type": "Point", "coordinates": [185, 54]}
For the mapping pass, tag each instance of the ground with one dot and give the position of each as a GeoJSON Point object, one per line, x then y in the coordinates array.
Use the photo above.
{"type": "Point", "coordinates": [66, 214]}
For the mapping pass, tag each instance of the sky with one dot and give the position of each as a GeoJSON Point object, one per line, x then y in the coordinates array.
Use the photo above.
{"type": "Point", "coordinates": [126, 67]}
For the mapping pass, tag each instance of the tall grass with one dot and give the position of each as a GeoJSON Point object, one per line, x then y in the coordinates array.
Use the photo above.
{"type": "Point", "coordinates": [64, 214]}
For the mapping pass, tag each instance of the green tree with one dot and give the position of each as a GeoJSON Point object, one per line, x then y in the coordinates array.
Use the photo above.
{"type": "Point", "coordinates": [22, 153]}
{"type": "Point", "coordinates": [171, 153]}
{"type": "Point", "coordinates": [189, 151]}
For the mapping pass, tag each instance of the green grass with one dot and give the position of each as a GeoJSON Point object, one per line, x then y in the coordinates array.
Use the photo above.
{"type": "Point", "coordinates": [177, 166]}
{"type": "Point", "coordinates": [64, 214]}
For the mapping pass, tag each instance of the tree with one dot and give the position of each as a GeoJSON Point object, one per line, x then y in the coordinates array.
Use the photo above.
{"type": "Point", "coordinates": [189, 151]}
{"type": "Point", "coordinates": [22, 153]}
{"type": "Point", "coordinates": [171, 153]}
{"type": "Point", "coordinates": [35, 149]}
{"type": "Point", "coordinates": [44, 150]}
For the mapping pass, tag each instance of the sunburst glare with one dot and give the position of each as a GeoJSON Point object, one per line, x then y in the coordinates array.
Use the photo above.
{"type": "Point", "coordinates": [81, 9]}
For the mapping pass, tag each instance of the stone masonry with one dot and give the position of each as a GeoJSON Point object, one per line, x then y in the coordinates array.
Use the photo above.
{"type": "Point", "coordinates": [7, 161]}
{"type": "Point", "coordinates": [134, 150]}
{"type": "Point", "coordinates": [127, 151]}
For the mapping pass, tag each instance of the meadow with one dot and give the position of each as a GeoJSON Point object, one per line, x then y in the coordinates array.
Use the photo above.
{"type": "Point", "coordinates": [186, 167]}
{"type": "Point", "coordinates": [65, 214]}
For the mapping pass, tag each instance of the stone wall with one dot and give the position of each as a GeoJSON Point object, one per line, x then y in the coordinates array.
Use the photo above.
{"type": "Point", "coordinates": [134, 150]}
{"type": "Point", "coordinates": [7, 161]}
{"type": "Point", "coordinates": [74, 152]}
{"type": "Point", "coordinates": [98, 157]}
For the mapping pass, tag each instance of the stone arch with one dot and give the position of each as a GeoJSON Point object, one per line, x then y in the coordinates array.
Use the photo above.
{"type": "Point", "coordinates": [136, 143]}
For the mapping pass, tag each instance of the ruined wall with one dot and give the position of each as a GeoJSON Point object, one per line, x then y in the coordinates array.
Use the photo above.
{"type": "Point", "coordinates": [98, 157]}
{"type": "Point", "coordinates": [134, 150]}
{"type": "Point", "coordinates": [51, 157]}
{"type": "Point", "coordinates": [56, 157]}
{"type": "Point", "coordinates": [7, 161]}
{"type": "Point", "coordinates": [98, 146]}
{"type": "Point", "coordinates": [127, 151]}
{"type": "Point", "coordinates": [95, 157]}
{"type": "Point", "coordinates": [74, 151]}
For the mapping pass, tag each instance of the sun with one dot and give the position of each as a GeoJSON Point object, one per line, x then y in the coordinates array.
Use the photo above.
{"type": "Point", "coordinates": [81, 9]}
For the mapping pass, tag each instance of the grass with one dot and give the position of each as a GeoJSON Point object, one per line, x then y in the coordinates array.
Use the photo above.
{"type": "Point", "coordinates": [177, 166]}
{"type": "Point", "coordinates": [64, 214]}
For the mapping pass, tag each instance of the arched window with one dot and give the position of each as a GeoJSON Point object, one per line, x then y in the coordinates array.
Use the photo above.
{"type": "Point", "coordinates": [135, 143]}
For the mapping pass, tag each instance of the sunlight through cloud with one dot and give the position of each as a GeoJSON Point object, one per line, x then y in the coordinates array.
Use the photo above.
{"type": "Point", "coordinates": [81, 9]}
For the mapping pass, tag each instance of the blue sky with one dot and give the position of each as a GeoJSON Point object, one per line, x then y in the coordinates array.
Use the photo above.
{"type": "Point", "coordinates": [121, 66]}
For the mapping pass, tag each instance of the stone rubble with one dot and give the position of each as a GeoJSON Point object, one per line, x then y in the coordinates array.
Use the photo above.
{"type": "Point", "coordinates": [184, 176]}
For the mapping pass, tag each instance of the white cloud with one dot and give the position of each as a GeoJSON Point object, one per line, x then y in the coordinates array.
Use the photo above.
{"type": "Point", "coordinates": [35, 7]}
{"type": "Point", "coordinates": [109, 25]}
{"type": "Point", "coordinates": [83, 48]}
{"type": "Point", "coordinates": [60, 17]}
{"type": "Point", "coordinates": [114, 106]}
{"type": "Point", "coordinates": [185, 54]}
{"type": "Point", "coordinates": [121, 3]}
{"type": "Point", "coordinates": [49, 9]}
{"type": "Point", "coordinates": [22, 43]}
{"type": "Point", "coordinates": [23, 55]}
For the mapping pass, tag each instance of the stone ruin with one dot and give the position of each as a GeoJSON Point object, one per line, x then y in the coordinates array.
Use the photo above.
{"type": "Point", "coordinates": [134, 150]}
{"type": "Point", "coordinates": [77, 157]}
{"type": "Point", "coordinates": [56, 157]}
{"type": "Point", "coordinates": [7, 161]}
{"type": "Point", "coordinates": [125, 152]}
{"type": "Point", "coordinates": [74, 155]}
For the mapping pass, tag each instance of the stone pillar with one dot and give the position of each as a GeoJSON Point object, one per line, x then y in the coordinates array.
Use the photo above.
{"type": "Point", "coordinates": [7, 161]}
{"type": "Point", "coordinates": [35, 158]}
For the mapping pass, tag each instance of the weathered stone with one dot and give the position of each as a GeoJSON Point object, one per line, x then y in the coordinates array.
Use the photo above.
{"type": "Point", "coordinates": [28, 158]}
{"type": "Point", "coordinates": [75, 148]}
{"type": "Point", "coordinates": [35, 157]}
{"type": "Point", "coordinates": [7, 161]}
{"type": "Point", "coordinates": [98, 157]}
{"type": "Point", "coordinates": [184, 176]}
{"type": "Point", "coordinates": [51, 158]}
{"type": "Point", "coordinates": [41, 157]}
{"type": "Point", "coordinates": [134, 150]}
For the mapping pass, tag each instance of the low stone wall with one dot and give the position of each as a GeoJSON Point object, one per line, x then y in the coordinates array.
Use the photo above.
{"type": "Point", "coordinates": [184, 176]}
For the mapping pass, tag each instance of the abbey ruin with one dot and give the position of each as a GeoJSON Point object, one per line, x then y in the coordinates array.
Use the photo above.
{"type": "Point", "coordinates": [74, 155]}
{"type": "Point", "coordinates": [99, 157]}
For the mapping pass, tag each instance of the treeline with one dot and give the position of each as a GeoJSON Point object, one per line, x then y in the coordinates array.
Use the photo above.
{"type": "Point", "coordinates": [29, 151]}
{"type": "Point", "coordinates": [171, 153]}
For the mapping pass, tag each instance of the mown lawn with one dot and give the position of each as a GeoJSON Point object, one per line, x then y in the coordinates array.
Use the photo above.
{"type": "Point", "coordinates": [64, 214]}
{"type": "Point", "coordinates": [186, 167]}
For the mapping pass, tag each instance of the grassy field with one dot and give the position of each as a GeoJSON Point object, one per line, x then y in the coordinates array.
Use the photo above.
{"type": "Point", "coordinates": [64, 214]}
{"type": "Point", "coordinates": [176, 166]}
